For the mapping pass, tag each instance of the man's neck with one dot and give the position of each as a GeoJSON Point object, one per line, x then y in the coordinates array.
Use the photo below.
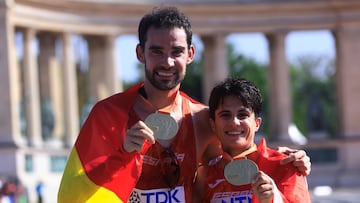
{"type": "Point", "coordinates": [160, 99]}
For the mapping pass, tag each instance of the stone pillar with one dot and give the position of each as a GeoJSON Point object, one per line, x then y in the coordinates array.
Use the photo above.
{"type": "Point", "coordinates": [10, 88]}
{"type": "Point", "coordinates": [215, 68]}
{"type": "Point", "coordinates": [347, 40]}
{"type": "Point", "coordinates": [70, 91]}
{"type": "Point", "coordinates": [57, 95]}
{"type": "Point", "coordinates": [102, 67]}
{"type": "Point", "coordinates": [111, 74]}
{"type": "Point", "coordinates": [347, 80]}
{"type": "Point", "coordinates": [31, 90]}
{"type": "Point", "coordinates": [279, 87]}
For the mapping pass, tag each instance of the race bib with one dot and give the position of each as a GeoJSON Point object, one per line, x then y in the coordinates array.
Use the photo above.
{"type": "Point", "coordinates": [164, 195]}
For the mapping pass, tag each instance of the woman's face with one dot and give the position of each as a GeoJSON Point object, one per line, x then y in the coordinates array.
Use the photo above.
{"type": "Point", "coordinates": [235, 125]}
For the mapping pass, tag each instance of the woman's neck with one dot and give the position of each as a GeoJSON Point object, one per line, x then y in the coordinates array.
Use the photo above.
{"type": "Point", "coordinates": [243, 153]}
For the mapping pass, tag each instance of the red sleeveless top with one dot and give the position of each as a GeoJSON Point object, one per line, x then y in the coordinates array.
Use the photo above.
{"type": "Point", "coordinates": [291, 185]}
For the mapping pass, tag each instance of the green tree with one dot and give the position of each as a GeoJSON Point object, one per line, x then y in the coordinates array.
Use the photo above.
{"type": "Point", "coordinates": [192, 83]}
{"type": "Point", "coordinates": [313, 85]}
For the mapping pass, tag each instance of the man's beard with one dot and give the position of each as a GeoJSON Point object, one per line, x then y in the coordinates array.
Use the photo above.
{"type": "Point", "coordinates": [162, 85]}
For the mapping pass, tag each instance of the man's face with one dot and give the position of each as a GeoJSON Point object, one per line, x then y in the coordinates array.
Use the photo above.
{"type": "Point", "coordinates": [165, 56]}
{"type": "Point", "coordinates": [235, 125]}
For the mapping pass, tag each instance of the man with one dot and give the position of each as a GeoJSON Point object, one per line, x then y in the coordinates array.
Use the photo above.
{"type": "Point", "coordinates": [116, 153]}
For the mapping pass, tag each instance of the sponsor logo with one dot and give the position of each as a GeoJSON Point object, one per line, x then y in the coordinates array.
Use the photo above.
{"type": "Point", "coordinates": [153, 161]}
{"type": "Point", "coordinates": [233, 197]}
{"type": "Point", "coordinates": [217, 182]}
{"type": "Point", "coordinates": [164, 195]}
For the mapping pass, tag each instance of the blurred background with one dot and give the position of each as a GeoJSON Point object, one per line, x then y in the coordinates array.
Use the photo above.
{"type": "Point", "coordinates": [57, 58]}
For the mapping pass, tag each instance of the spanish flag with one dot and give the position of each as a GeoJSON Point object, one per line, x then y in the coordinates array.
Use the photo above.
{"type": "Point", "coordinates": [98, 170]}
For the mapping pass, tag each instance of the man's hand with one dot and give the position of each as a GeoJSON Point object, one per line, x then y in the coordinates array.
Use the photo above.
{"type": "Point", "coordinates": [298, 158]}
{"type": "Point", "coordinates": [136, 136]}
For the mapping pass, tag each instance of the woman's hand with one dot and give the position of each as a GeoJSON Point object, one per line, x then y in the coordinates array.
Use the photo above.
{"type": "Point", "coordinates": [263, 188]}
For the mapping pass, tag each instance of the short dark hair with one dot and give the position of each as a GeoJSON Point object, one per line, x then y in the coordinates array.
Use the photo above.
{"type": "Point", "coordinates": [164, 17]}
{"type": "Point", "coordinates": [245, 90]}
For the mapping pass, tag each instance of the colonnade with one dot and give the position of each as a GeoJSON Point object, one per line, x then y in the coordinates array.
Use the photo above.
{"type": "Point", "coordinates": [49, 75]}
{"type": "Point", "coordinates": [48, 78]}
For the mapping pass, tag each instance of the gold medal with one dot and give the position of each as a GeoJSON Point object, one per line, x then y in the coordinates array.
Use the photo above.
{"type": "Point", "coordinates": [240, 172]}
{"type": "Point", "coordinates": [164, 126]}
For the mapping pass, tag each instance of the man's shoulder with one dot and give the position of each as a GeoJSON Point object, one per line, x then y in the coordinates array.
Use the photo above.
{"type": "Point", "coordinates": [197, 108]}
{"type": "Point", "coordinates": [117, 99]}
{"type": "Point", "coordinates": [192, 100]}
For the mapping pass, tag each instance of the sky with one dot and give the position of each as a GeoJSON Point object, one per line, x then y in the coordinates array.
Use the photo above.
{"type": "Point", "coordinates": [253, 45]}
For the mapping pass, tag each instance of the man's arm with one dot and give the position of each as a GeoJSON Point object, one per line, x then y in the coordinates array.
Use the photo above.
{"type": "Point", "coordinates": [299, 159]}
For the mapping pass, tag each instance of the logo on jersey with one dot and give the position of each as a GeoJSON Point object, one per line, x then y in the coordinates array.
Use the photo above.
{"type": "Point", "coordinates": [153, 161]}
{"type": "Point", "coordinates": [134, 197]}
{"type": "Point", "coordinates": [233, 197]}
{"type": "Point", "coordinates": [164, 195]}
{"type": "Point", "coordinates": [217, 182]}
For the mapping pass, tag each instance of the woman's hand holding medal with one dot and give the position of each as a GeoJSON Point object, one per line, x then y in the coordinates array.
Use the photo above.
{"type": "Point", "coordinates": [263, 188]}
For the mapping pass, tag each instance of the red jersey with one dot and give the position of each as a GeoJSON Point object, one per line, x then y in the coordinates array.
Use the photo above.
{"type": "Point", "coordinates": [152, 186]}
{"type": "Point", "coordinates": [98, 168]}
{"type": "Point", "coordinates": [292, 186]}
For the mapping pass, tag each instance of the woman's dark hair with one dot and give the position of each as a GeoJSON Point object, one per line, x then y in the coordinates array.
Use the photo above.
{"type": "Point", "coordinates": [246, 91]}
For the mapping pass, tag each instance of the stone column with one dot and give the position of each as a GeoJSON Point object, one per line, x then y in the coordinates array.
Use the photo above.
{"type": "Point", "coordinates": [31, 90]}
{"type": "Point", "coordinates": [102, 67]}
{"type": "Point", "coordinates": [111, 75]}
{"type": "Point", "coordinates": [215, 62]}
{"type": "Point", "coordinates": [57, 97]}
{"type": "Point", "coordinates": [347, 80]}
{"type": "Point", "coordinates": [279, 87]}
{"type": "Point", "coordinates": [347, 40]}
{"type": "Point", "coordinates": [70, 91]}
{"type": "Point", "coordinates": [10, 88]}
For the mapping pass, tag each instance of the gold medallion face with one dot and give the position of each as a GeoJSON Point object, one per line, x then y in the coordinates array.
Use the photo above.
{"type": "Point", "coordinates": [164, 126]}
{"type": "Point", "coordinates": [240, 172]}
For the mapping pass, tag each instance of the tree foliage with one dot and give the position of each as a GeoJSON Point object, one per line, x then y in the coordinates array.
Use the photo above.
{"type": "Point", "coordinates": [314, 94]}
{"type": "Point", "coordinates": [192, 84]}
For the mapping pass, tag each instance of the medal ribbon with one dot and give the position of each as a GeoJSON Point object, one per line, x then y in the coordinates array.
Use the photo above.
{"type": "Point", "coordinates": [243, 154]}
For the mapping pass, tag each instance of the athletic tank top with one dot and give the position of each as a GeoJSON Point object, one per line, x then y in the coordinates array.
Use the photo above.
{"type": "Point", "coordinates": [152, 186]}
{"type": "Point", "coordinates": [218, 190]}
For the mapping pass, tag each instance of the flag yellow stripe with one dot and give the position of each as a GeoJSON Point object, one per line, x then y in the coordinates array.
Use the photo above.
{"type": "Point", "coordinates": [76, 187]}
